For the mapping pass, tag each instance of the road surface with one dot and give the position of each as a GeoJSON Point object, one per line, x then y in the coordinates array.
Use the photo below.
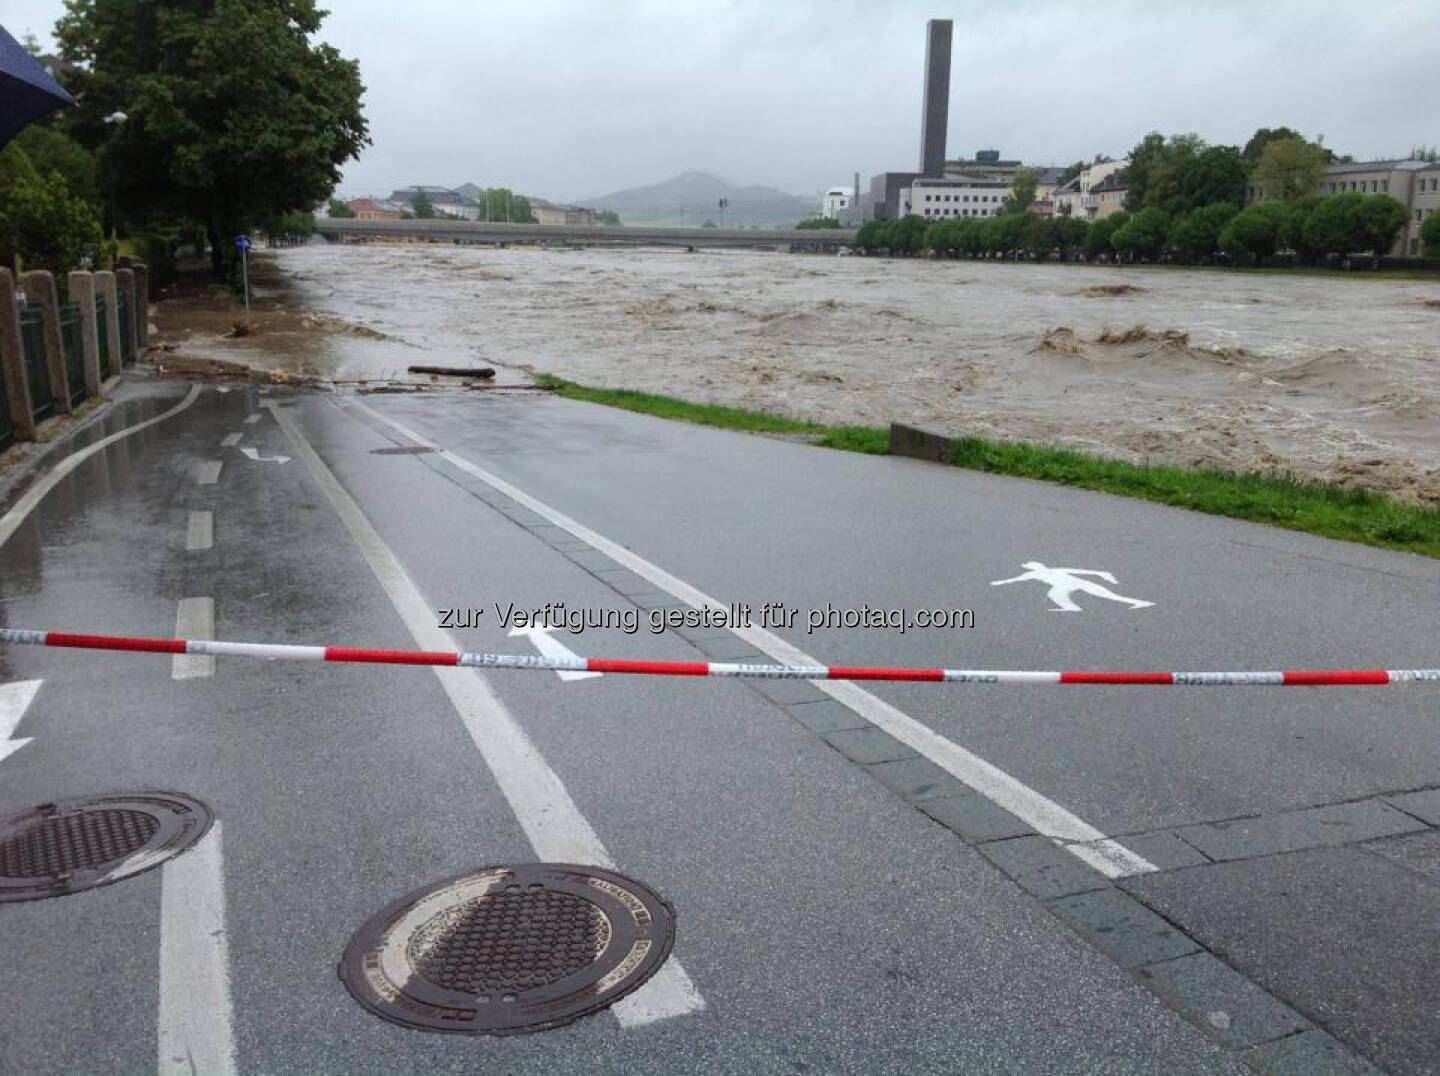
{"type": "Point", "coordinates": [1148, 879]}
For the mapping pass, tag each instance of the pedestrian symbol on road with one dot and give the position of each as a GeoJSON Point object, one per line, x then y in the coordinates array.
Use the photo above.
{"type": "Point", "coordinates": [1064, 582]}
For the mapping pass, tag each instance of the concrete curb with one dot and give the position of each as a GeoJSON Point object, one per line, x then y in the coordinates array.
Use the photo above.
{"type": "Point", "coordinates": [920, 443]}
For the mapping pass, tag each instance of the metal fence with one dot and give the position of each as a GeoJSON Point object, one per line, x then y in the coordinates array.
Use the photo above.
{"type": "Point", "coordinates": [37, 370]}
{"type": "Point", "coordinates": [73, 344]}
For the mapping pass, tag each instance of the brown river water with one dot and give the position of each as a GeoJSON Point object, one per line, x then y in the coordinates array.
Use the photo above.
{"type": "Point", "coordinates": [1320, 376]}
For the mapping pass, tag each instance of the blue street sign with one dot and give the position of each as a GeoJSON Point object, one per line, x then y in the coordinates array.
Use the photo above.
{"type": "Point", "coordinates": [242, 242]}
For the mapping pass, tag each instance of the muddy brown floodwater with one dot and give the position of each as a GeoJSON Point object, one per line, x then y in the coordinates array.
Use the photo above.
{"type": "Point", "coordinates": [1322, 376]}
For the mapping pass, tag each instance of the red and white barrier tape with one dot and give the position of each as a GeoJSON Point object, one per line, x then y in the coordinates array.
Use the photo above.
{"type": "Point", "coordinates": [1306, 678]}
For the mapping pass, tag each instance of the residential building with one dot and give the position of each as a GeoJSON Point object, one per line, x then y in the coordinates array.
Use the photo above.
{"type": "Point", "coordinates": [376, 209]}
{"type": "Point", "coordinates": [442, 199]}
{"type": "Point", "coordinates": [549, 213]}
{"type": "Point", "coordinates": [1106, 196]}
{"type": "Point", "coordinates": [954, 196]}
{"type": "Point", "coordinates": [1068, 199]}
{"type": "Point", "coordinates": [1414, 184]}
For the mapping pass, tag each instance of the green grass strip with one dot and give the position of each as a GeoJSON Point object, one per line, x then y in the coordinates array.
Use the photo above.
{"type": "Point", "coordinates": [1348, 513]}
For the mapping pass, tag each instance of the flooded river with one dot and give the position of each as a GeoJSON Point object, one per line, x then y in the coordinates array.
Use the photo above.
{"type": "Point", "coordinates": [1328, 377]}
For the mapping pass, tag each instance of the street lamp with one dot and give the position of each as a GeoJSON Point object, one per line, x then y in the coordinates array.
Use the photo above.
{"type": "Point", "coordinates": [114, 120]}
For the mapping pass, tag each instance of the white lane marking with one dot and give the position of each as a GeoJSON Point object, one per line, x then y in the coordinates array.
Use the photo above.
{"type": "Point", "coordinates": [254, 454]}
{"type": "Point", "coordinates": [552, 822]}
{"type": "Point", "coordinates": [200, 531]}
{"type": "Point", "coordinates": [207, 472]}
{"type": "Point", "coordinates": [231, 440]}
{"type": "Point", "coordinates": [1045, 815]}
{"type": "Point", "coordinates": [1065, 582]}
{"type": "Point", "coordinates": [553, 648]}
{"type": "Point", "coordinates": [195, 1017]}
{"type": "Point", "coordinates": [11, 520]}
{"type": "Point", "coordinates": [15, 699]}
{"type": "Point", "coordinates": [250, 420]}
{"type": "Point", "coordinates": [194, 619]}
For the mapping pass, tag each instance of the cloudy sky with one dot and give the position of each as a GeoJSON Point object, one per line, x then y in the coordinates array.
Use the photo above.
{"type": "Point", "coordinates": [575, 99]}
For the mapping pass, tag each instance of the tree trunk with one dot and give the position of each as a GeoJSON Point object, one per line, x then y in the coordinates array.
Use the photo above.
{"type": "Point", "coordinates": [217, 252]}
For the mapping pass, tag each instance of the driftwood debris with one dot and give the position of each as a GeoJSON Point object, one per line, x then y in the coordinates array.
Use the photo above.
{"type": "Point", "coordinates": [454, 371]}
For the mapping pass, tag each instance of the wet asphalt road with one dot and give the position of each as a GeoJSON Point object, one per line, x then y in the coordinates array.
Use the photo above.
{"type": "Point", "coordinates": [843, 905]}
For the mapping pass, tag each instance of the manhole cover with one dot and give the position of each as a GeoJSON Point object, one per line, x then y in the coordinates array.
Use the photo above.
{"type": "Point", "coordinates": [409, 450]}
{"type": "Point", "coordinates": [509, 949]}
{"type": "Point", "coordinates": [72, 845]}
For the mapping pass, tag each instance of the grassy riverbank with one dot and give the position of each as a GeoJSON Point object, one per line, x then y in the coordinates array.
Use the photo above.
{"type": "Point", "coordinates": [1326, 509]}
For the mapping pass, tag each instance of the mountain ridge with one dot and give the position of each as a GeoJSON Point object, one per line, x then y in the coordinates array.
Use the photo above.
{"type": "Point", "coordinates": [699, 193]}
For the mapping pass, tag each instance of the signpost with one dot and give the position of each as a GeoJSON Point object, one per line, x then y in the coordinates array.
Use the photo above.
{"type": "Point", "coordinates": [242, 244]}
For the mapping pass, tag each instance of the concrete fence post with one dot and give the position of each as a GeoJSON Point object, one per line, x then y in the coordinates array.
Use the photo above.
{"type": "Point", "coordinates": [142, 307]}
{"type": "Point", "coordinates": [105, 287]}
{"type": "Point", "coordinates": [40, 291]}
{"type": "Point", "coordinates": [12, 361]}
{"type": "Point", "coordinates": [125, 285]}
{"type": "Point", "coordinates": [82, 294]}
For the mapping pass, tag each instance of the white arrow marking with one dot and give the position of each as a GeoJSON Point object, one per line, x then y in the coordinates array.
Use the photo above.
{"type": "Point", "coordinates": [15, 699]}
{"type": "Point", "coordinates": [254, 454]}
{"type": "Point", "coordinates": [553, 648]}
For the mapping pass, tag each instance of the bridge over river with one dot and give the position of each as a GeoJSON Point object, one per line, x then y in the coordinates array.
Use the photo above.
{"type": "Point", "coordinates": [473, 231]}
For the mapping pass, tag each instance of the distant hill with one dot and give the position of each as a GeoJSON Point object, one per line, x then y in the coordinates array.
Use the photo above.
{"type": "Point", "coordinates": [700, 193]}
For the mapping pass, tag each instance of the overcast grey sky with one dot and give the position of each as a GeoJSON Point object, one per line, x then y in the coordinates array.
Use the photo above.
{"type": "Point", "coordinates": [576, 98]}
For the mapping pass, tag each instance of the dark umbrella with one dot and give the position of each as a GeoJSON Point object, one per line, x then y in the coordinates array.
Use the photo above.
{"type": "Point", "coordinates": [26, 91]}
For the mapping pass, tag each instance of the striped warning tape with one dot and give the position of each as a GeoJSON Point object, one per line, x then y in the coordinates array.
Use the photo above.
{"type": "Point", "coordinates": [280, 652]}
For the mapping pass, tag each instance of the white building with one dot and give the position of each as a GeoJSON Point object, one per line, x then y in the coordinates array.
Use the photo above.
{"type": "Point", "coordinates": [955, 196]}
{"type": "Point", "coordinates": [835, 201]}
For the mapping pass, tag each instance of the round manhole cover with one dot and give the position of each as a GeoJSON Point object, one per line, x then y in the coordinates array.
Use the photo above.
{"type": "Point", "coordinates": [509, 949]}
{"type": "Point", "coordinates": [72, 845]}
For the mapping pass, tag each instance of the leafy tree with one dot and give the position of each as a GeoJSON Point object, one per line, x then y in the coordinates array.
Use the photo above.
{"type": "Point", "coordinates": [503, 204]}
{"type": "Point", "coordinates": [234, 115]}
{"type": "Point", "coordinates": [1430, 234]}
{"type": "Point", "coordinates": [1381, 218]}
{"type": "Point", "coordinates": [1295, 227]}
{"type": "Point", "coordinates": [340, 210]}
{"type": "Point", "coordinates": [1289, 168]}
{"type": "Point", "coordinates": [1336, 226]}
{"type": "Point", "coordinates": [1425, 153]}
{"type": "Point", "coordinates": [1068, 234]}
{"type": "Point", "coordinates": [609, 218]}
{"type": "Point", "coordinates": [1163, 164]}
{"type": "Point", "coordinates": [818, 222]}
{"type": "Point", "coordinates": [1262, 138]}
{"type": "Point", "coordinates": [1143, 235]}
{"type": "Point", "coordinates": [709, 224]}
{"type": "Point", "coordinates": [41, 222]}
{"type": "Point", "coordinates": [908, 235]}
{"type": "Point", "coordinates": [1254, 233]}
{"type": "Point", "coordinates": [421, 207]}
{"type": "Point", "coordinates": [1196, 235]}
{"type": "Point", "coordinates": [51, 150]}
{"type": "Point", "coordinates": [1022, 191]}
{"type": "Point", "coordinates": [1099, 234]}
{"type": "Point", "coordinates": [1070, 173]}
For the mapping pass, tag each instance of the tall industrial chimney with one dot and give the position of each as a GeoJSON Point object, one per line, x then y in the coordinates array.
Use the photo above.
{"type": "Point", "coordinates": [935, 108]}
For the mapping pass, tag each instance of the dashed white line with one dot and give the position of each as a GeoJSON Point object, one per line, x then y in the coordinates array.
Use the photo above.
{"type": "Point", "coordinates": [207, 472]}
{"type": "Point", "coordinates": [194, 619]}
{"type": "Point", "coordinates": [200, 531]}
{"type": "Point", "coordinates": [553, 823]}
{"type": "Point", "coordinates": [250, 420]}
{"type": "Point", "coordinates": [1047, 817]}
{"type": "Point", "coordinates": [231, 440]}
{"type": "Point", "coordinates": [195, 1019]}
